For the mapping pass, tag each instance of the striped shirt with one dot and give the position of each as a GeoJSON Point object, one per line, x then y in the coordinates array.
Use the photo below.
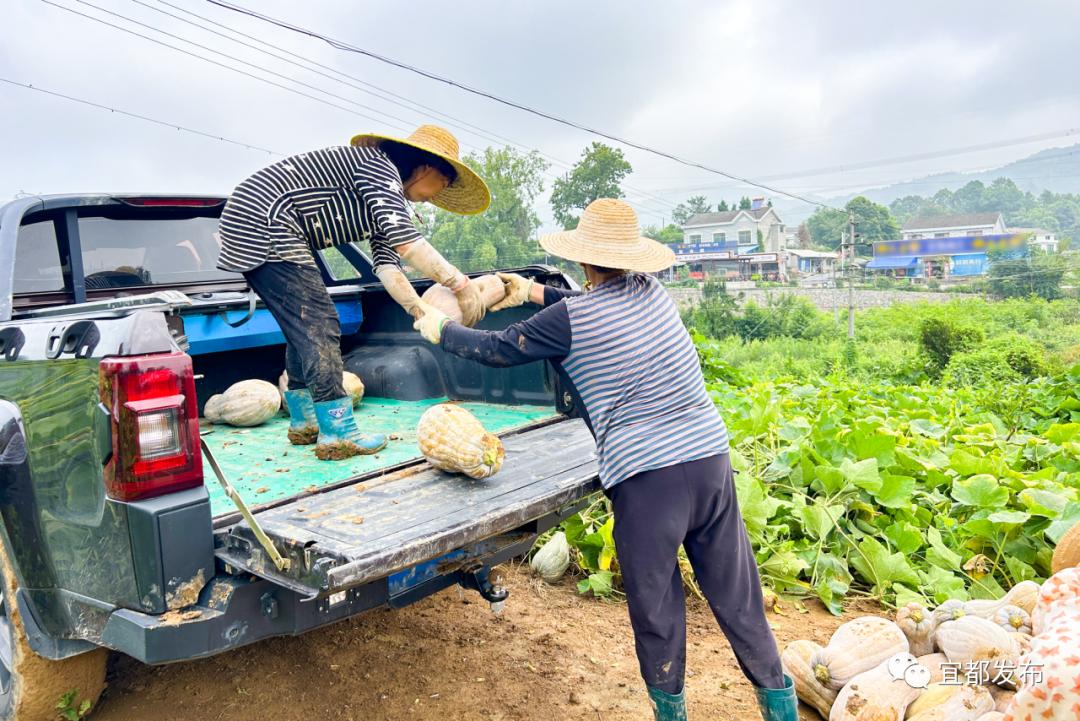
{"type": "Point", "coordinates": [628, 360]}
{"type": "Point", "coordinates": [316, 200]}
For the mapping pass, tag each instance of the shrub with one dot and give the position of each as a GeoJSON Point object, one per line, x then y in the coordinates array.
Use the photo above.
{"type": "Point", "coordinates": [940, 339]}
{"type": "Point", "coordinates": [1008, 359]}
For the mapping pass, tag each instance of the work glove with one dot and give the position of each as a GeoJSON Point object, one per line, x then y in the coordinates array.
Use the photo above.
{"type": "Point", "coordinates": [471, 303]}
{"type": "Point", "coordinates": [518, 290]}
{"type": "Point", "coordinates": [399, 288]}
{"type": "Point", "coordinates": [423, 256]}
{"type": "Point", "coordinates": [430, 323]}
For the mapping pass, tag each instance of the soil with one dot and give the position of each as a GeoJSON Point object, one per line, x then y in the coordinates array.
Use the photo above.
{"type": "Point", "coordinates": [551, 654]}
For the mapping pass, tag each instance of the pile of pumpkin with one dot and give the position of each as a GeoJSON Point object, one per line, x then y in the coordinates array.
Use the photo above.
{"type": "Point", "coordinates": [850, 678]}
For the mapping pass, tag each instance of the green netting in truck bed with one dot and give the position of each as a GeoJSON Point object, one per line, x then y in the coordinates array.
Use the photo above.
{"type": "Point", "coordinates": [263, 467]}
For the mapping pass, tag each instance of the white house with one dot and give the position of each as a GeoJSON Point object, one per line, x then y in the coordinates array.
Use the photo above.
{"type": "Point", "coordinates": [738, 226]}
{"type": "Point", "coordinates": [1041, 239]}
{"type": "Point", "coordinates": [949, 226]}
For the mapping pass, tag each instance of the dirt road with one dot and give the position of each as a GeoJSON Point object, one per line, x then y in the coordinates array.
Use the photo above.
{"type": "Point", "coordinates": [551, 655]}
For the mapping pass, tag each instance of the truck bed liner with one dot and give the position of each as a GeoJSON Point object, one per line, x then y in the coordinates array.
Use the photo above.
{"type": "Point", "coordinates": [366, 531]}
{"type": "Point", "coordinates": [264, 468]}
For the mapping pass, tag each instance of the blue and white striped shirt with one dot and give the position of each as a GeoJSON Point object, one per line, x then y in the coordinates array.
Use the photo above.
{"type": "Point", "coordinates": [624, 353]}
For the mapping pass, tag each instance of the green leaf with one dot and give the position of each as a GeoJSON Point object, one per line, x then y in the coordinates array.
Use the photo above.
{"type": "Point", "coordinates": [832, 480]}
{"type": "Point", "coordinates": [928, 428]}
{"type": "Point", "coordinates": [895, 491]}
{"type": "Point", "coordinates": [1061, 433]}
{"type": "Point", "coordinates": [1014, 518]}
{"type": "Point", "coordinates": [1043, 503]}
{"type": "Point", "coordinates": [1070, 516]}
{"type": "Point", "coordinates": [785, 565]}
{"type": "Point", "coordinates": [981, 491]}
{"type": "Point", "coordinates": [904, 537]}
{"type": "Point", "coordinates": [1019, 570]}
{"type": "Point", "coordinates": [939, 554]}
{"type": "Point", "coordinates": [881, 568]}
{"type": "Point", "coordinates": [756, 507]}
{"type": "Point", "coordinates": [817, 519]}
{"type": "Point", "coordinates": [967, 464]}
{"type": "Point", "coordinates": [941, 584]}
{"type": "Point", "coordinates": [599, 583]}
{"type": "Point", "coordinates": [863, 474]}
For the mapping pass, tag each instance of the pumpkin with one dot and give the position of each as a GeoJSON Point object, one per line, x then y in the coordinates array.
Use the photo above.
{"type": "Point", "coordinates": [971, 640]}
{"type": "Point", "coordinates": [796, 660]}
{"type": "Point", "coordinates": [873, 696]}
{"type": "Point", "coordinates": [1022, 639]}
{"type": "Point", "coordinates": [992, 716]}
{"type": "Point", "coordinates": [553, 558]}
{"type": "Point", "coordinates": [491, 290]}
{"type": "Point", "coordinates": [451, 439]}
{"type": "Point", "coordinates": [1067, 551]}
{"type": "Point", "coordinates": [1013, 619]}
{"type": "Point", "coordinates": [354, 387]}
{"type": "Point", "coordinates": [949, 611]}
{"type": "Point", "coordinates": [933, 661]}
{"type": "Point", "coordinates": [1002, 696]}
{"type": "Point", "coordinates": [247, 403]}
{"type": "Point", "coordinates": [951, 703]}
{"type": "Point", "coordinates": [1023, 595]}
{"type": "Point", "coordinates": [918, 625]}
{"type": "Point", "coordinates": [857, 646]}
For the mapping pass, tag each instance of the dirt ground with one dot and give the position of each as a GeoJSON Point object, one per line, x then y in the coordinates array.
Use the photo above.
{"type": "Point", "coordinates": [550, 655]}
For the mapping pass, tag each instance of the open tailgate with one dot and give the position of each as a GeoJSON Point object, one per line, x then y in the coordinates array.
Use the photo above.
{"type": "Point", "coordinates": [376, 527]}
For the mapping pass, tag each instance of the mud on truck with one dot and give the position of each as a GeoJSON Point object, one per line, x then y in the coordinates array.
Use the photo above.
{"type": "Point", "coordinates": [115, 327]}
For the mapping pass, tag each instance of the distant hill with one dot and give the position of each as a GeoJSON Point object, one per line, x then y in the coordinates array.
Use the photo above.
{"type": "Point", "coordinates": [1053, 169]}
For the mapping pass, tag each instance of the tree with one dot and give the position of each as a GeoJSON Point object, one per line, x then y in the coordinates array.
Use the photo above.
{"type": "Point", "coordinates": [596, 175]}
{"type": "Point", "coordinates": [744, 203]}
{"type": "Point", "coordinates": [873, 221]}
{"type": "Point", "coordinates": [1039, 275]}
{"type": "Point", "coordinates": [826, 227]}
{"type": "Point", "coordinates": [669, 234]}
{"type": "Point", "coordinates": [684, 211]}
{"type": "Point", "coordinates": [805, 241]}
{"type": "Point", "coordinates": [722, 207]}
{"type": "Point", "coordinates": [502, 236]}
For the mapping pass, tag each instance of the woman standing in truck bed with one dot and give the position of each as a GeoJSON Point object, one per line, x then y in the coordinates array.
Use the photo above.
{"type": "Point", "coordinates": [276, 219]}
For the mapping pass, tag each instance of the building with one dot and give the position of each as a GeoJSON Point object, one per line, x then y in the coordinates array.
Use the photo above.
{"type": "Point", "coordinates": [750, 230]}
{"type": "Point", "coordinates": [803, 261]}
{"type": "Point", "coordinates": [1040, 239]}
{"type": "Point", "coordinates": [949, 226]}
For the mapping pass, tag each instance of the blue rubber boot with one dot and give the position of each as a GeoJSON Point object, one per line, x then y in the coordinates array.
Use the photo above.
{"type": "Point", "coordinates": [778, 704]}
{"type": "Point", "coordinates": [303, 426]}
{"type": "Point", "coordinates": [666, 706]}
{"type": "Point", "coordinates": [339, 438]}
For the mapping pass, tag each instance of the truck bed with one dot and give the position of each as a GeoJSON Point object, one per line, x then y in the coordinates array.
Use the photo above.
{"type": "Point", "coordinates": [264, 468]}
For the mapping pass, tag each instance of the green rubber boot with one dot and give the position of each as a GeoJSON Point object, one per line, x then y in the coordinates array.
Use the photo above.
{"type": "Point", "coordinates": [303, 426]}
{"type": "Point", "coordinates": [666, 706]}
{"type": "Point", "coordinates": [339, 437]}
{"type": "Point", "coordinates": [778, 704]}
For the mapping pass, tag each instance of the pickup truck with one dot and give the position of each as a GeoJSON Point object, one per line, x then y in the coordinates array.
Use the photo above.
{"type": "Point", "coordinates": [115, 327]}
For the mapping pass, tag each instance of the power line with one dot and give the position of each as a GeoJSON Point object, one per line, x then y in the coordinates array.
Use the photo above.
{"type": "Point", "coordinates": [137, 116]}
{"type": "Point", "coordinates": [219, 64]}
{"type": "Point", "coordinates": [336, 75]}
{"type": "Point", "coordinates": [341, 45]}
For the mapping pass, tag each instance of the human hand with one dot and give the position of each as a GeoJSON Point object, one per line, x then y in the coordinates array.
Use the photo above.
{"type": "Point", "coordinates": [518, 290]}
{"type": "Point", "coordinates": [430, 323]}
{"type": "Point", "coordinates": [471, 303]}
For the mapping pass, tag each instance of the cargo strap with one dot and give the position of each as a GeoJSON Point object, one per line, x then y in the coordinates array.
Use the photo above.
{"type": "Point", "coordinates": [252, 298]}
{"type": "Point", "coordinates": [280, 561]}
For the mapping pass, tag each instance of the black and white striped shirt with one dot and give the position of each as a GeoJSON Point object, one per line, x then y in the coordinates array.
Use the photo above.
{"type": "Point", "coordinates": [316, 200]}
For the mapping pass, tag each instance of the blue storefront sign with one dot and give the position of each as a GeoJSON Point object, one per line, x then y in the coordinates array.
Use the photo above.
{"type": "Point", "coordinates": [958, 245]}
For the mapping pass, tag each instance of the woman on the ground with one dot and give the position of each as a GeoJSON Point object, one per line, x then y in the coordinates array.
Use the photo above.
{"type": "Point", "coordinates": [662, 446]}
{"type": "Point", "coordinates": [279, 217]}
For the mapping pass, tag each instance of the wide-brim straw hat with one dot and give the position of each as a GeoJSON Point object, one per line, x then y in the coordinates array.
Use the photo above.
{"type": "Point", "coordinates": [468, 194]}
{"type": "Point", "coordinates": [608, 235]}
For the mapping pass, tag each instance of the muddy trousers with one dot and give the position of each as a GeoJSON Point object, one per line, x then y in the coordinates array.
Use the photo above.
{"type": "Point", "coordinates": [692, 504]}
{"type": "Point", "coordinates": [297, 298]}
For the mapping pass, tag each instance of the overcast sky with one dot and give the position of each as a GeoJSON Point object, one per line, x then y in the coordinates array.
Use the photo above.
{"type": "Point", "coordinates": [754, 87]}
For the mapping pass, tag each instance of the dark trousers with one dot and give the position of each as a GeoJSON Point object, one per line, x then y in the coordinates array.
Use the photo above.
{"type": "Point", "coordinates": [297, 298]}
{"type": "Point", "coordinates": [692, 504]}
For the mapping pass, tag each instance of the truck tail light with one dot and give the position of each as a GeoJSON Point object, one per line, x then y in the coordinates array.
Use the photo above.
{"type": "Point", "coordinates": [155, 425]}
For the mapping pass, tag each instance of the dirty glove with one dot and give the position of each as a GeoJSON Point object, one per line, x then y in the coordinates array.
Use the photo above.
{"type": "Point", "coordinates": [400, 289]}
{"type": "Point", "coordinates": [423, 256]}
{"type": "Point", "coordinates": [471, 303]}
{"type": "Point", "coordinates": [430, 323]}
{"type": "Point", "coordinates": [518, 291]}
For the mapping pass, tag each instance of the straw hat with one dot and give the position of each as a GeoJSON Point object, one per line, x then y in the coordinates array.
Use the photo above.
{"type": "Point", "coordinates": [468, 194]}
{"type": "Point", "coordinates": [608, 236]}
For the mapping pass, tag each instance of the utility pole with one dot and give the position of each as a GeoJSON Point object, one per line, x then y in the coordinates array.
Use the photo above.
{"type": "Point", "coordinates": [851, 280]}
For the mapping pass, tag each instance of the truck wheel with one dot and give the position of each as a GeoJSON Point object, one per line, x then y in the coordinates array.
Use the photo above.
{"type": "Point", "coordinates": [31, 687]}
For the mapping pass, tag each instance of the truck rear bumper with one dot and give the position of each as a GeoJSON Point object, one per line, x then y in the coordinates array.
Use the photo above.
{"type": "Point", "coordinates": [235, 610]}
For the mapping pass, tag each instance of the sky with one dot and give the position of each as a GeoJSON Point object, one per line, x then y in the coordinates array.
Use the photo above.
{"type": "Point", "coordinates": [755, 88]}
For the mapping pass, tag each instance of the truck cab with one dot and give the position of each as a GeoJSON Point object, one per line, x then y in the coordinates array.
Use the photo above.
{"type": "Point", "coordinates": [115, 327]}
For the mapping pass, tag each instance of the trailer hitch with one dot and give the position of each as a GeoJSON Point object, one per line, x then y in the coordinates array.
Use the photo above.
{"type": "Point", "coordinates": [477, 579]}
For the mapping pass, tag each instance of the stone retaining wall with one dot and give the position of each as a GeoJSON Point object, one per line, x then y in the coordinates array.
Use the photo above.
{"type": "Point", "coordinates": [822, 298]}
